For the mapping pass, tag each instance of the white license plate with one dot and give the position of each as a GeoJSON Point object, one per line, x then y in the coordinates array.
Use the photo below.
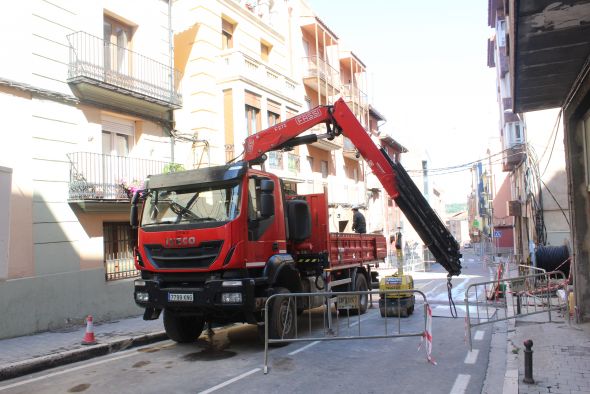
{"type": "Point", "coordinates": [348, 301]}
{"type": "Point", "coordinates": [180, 297]}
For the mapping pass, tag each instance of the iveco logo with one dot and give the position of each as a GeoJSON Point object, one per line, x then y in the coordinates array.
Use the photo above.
{"type": "Point", "coordinates": [179, 241]}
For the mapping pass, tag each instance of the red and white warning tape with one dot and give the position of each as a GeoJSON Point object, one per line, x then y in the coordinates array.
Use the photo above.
{"type": "Point", "coordinates": [428, 336]}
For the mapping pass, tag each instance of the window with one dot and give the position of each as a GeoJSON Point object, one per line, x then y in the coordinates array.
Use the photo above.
{"type": "Point", "coordinates": [118, 251]}
{"type": "Point", "coordinates": [324, 168]}
{"type": "Point", "coordinates": [117, 42]}
{"type": "Point", "coordinates": [264, 51]}
{"type": "Point", "coordinates": [252, 119]}
{"type": "Point", "coordinates": [227, 34]}
{"type": "Point", "coordinates": [275, 160]}
{"type": "Point", "coordinates": [355, 175]}
{"type": "Point", "coordinates": [118, 135]}
{"type": "Point", "coordinates": [310, 162]}
{"type": "Point", "coordinates": [273, 118]}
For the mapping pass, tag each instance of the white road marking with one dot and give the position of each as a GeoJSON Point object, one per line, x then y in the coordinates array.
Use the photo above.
{"type": "Point", "coordinates": [478, 335]}
{"type": "Point", "coordinates": [228, 382]}
{"type": "Point", "coordinates": [460, 384]}
{"type": "Point", "coordinates": [303, 348]}
{"type": "Point", "coordinates": [471, 357]}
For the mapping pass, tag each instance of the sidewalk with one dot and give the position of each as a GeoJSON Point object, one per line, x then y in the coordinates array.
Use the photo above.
{"type": "Point", "coordinates": [561, 355]}
{"type": "Point", "coordinates": [32, 353]}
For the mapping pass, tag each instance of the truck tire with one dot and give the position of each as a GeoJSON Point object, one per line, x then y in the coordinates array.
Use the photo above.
{"type": "Point", "coordinates": [182, 329]}
{"type": "Point", "coordinates": [281, 316]}
{"type": "Point", "coordinates": [360, 284]}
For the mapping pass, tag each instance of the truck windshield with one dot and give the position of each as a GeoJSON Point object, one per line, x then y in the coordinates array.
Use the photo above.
{"type": "Point", "coordinates": [210, 204]}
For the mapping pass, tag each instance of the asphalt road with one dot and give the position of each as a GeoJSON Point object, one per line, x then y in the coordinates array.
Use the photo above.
{"type": "Point", "coordinates": [232, 361]}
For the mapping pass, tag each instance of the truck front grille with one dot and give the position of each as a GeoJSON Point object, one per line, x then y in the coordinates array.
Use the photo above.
{"type": "Point", "coordinates": [201, 256]}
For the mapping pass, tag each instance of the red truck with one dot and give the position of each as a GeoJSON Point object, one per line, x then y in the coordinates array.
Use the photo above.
{"type": "Point", "coordinates": [214, 243]}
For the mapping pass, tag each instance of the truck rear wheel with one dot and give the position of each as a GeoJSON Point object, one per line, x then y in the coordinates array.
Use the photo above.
{"type": "Point", "coordinates": [182, 329]}
{"type": "Point", "coordinates": [360, 284]}
{"type": "Point", "coordinates": [281, 316]}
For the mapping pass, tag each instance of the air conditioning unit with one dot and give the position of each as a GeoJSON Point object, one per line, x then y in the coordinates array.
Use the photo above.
{"type": "Point", "coordinates": [514, 208]}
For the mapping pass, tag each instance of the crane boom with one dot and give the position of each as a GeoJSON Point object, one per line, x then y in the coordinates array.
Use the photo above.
{"type": "Point", "coordinates": [339, 119]}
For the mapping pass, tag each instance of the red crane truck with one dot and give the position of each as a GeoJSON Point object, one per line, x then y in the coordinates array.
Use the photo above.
{"type": "Point", "coordinates": [214, 243]}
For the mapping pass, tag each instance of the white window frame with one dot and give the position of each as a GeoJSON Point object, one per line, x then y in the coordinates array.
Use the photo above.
{"type": "Point", "coordinates": [113, 126]}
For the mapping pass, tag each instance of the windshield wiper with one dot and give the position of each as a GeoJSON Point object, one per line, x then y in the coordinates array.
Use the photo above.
{"type": "Point", "coordinates": [156, 223]}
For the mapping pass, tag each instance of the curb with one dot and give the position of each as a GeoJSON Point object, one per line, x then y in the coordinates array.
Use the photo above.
{"type": "Point", "coordinates": [37, 364]}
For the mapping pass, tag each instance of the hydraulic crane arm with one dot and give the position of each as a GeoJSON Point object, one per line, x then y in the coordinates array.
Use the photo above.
{"type": "Point", "coordinates": [394, 178]}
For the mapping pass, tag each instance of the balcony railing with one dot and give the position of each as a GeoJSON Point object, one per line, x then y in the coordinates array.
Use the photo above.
{"type": "Point", "coordinates": [236, 64]}
{"type": "Point", "coordinates": [94, 59]}
{"type": "Point", "coordinates": [314, 67]}
{"type": "Point", "coordinates": [94, 176]}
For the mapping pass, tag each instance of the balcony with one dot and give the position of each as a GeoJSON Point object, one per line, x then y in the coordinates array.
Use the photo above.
{"type": "Point", "coordinates": [239, 66]}
{"type": "Point", "coordinates": [324, 143]}
{"type": "Point", "coordinates": [113, 76]}
{"type": "Point", "coordinates": [320, 76]}
{"type": "Point", "coordinates": [349, 150]}
{"type": "Point", "coordinates": [513, 156]}
{"type": "Point", "coordinates": [106, 183]}
{"type": "Point", "coordinates": [354, 97]}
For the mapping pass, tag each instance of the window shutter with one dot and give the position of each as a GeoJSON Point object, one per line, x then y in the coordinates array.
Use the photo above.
{"type": "Point", "coordinates": [118, 125]}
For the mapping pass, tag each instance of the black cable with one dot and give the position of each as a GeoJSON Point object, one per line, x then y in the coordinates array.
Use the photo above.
{"type": "Point", "coordinates": [452, 306]}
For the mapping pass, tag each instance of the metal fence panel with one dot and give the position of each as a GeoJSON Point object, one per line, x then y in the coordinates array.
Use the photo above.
{"type": "Point", "coordinates": [502, 299]}
{"type": "Point", "coordinates": [327, 325]}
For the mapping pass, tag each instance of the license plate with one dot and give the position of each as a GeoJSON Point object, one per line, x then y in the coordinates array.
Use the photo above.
{"type": "Point", "coordinates": [180, 297]}
{"type": "Point", "coordinates": [347, 301]}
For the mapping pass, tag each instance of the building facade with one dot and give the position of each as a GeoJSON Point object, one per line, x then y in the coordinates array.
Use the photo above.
{"type": "Point", "coordinates": [532, 156]}
{"type": "Point", "coordinates": [90, 87]}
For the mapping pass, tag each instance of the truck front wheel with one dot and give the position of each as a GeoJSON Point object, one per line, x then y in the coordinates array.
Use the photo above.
{"type": "Point", "coordinates": [182, 329]}
{"type": "Point", "coordinates": [281, 324]}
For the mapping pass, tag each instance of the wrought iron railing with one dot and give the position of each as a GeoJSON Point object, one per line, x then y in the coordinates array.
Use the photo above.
{"type": "Point", "coordinates": [94, 176]}
{"type": "Point", "coordinates": [95, 59]}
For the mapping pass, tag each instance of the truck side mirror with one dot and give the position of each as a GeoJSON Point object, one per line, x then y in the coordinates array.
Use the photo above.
{"type": "Point", "coordinates": [267, 186]}
{"type": "Point", "coordinates": [133, 217]}
{"type": "Point", "coordinates": [267, 199]}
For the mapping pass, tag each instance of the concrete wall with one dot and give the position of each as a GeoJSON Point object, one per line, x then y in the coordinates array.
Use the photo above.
{"type": "Point", "coordinates": [576, 156]}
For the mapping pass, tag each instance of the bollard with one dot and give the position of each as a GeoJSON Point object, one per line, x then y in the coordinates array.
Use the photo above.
{"type": "Point", "coordinates": [528, 362]}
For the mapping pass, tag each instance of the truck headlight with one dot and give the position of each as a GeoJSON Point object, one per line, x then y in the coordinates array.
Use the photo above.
{"type": "Point", "coordinates": [142, 296]}
{"type": "Point", "coordinates": [231, 298]}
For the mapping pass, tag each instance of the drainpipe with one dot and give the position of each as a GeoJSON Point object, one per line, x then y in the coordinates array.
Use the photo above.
{"type": "Point", "coordinates": [171, 54]}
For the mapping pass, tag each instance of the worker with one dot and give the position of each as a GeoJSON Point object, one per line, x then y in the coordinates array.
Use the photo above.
{"type": "Point", "coordinates": [358, 221]}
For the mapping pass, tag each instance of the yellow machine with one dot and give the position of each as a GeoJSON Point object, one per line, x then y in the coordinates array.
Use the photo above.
{"type": "Point", "coordinates": [397, 304]}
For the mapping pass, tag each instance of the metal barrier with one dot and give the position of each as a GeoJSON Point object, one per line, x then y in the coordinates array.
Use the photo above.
{"type": "Point", "coordinates": [518, 297]}
{"type": "Point", "coordinates": [330, 328]}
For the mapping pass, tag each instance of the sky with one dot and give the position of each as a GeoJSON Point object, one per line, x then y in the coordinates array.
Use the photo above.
{"type": "Point", "coordinates": [427, 70]}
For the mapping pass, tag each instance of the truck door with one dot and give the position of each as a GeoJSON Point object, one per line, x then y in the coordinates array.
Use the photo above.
{"type": "Point", "coordinates": [266, 233]}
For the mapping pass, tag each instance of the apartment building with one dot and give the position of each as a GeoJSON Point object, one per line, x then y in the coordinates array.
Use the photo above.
{"type": "Point", "coordinates": [533, 157]}
{"type": "Point", "coordinates": [248, 65]}
{"type": "Point", "coordinates": [88, 90]}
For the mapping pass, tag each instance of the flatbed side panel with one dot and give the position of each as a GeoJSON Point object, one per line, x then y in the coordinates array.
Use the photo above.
{"type": "Point", "coordinates": [351, 248]}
